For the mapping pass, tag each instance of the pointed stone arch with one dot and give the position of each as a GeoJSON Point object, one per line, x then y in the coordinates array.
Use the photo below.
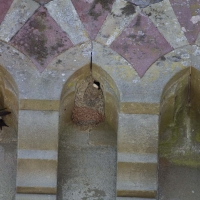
{"type": "Point", "coordinates": [179, 144]}
{"type": "Point", "coordinates": [87, 160]}
{"type": "Point", "coordinates": [8, 135]}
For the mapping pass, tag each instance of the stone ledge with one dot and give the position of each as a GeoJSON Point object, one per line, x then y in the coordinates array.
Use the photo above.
{"type": "Point", "coordinates": [133, 198]}
{"type": "Point", "coordinates": [139, 108]}
{"type": "Point", "coordinates": [137, 193]}
{"type": "Point", "coordinates": [37, 190]}
{"type": "Point", "coordinates": [42, 105]}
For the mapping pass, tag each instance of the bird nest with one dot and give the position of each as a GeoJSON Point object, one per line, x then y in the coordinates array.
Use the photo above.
{"type": "Point", "coordinates": [88, 108]}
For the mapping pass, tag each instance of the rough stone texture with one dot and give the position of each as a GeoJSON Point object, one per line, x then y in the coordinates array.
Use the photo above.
{"type": "Point", "coordinates": [34, 129]}
{"type": "Point", "coordinates": [179, 160]}
{"type": "Point", "coordinates": [34, 173]}
{"type": "Point", "coordinates": [143, 3]}
{"type": "Point", "coordinates": [132, 88]}
{"type": "Point", "coordinates": [141, 44]}
{"type": "Point", "coordinates": [165, 20]}
{"type": "Point", "coordinates": [92, 13]}
{"type": "Point", "coordinates": [121, 15]}
{"type": "Point", "coordinates": [136, 179]}
{"type": "Point", "coordinates": [66, 16]}
{"type": "Point", "coordinates": [188, 13]}
{"type": "Point", "coordinates": [88, 104]}
{"type": "Point", "coordinates": [4, 7]}
{"type": "Point", "coordinates": [18, 14]}
{"type": "Point", "coordinates": [137, 133]}
{"type": "Point", "coordinates": [47, 85]}
{"type": "Point", "coordinates": [41, 39]}
{"type": "Point", "coordinates": [90, 172]}
{"type": "Point", "coordinates": [8, 170]}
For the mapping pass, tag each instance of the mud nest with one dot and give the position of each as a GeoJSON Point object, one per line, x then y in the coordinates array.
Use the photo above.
{"type": "Point", "coordinates": [88, 108]}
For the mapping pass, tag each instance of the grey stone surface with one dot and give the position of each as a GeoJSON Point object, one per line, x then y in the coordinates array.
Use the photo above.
{"type": "Point", "coordinates": [115, 22]}
{"type": "Point", "coordinates": [136, 177]}
{"type": "Point", "coordinates": [46, 85]}
{"type": "Point", "coordinates": [36, 173]}
{"type": "Point", "coordinates": [8, 170]}
{"type": "Point", "coordinates": [38, 130]}
{"type": "Point", "coordinates": [147, 89]}
{"type": "Point", "coordinates": [137, 133]}
{"type": "Point", "coordinates": [66, 16]}
{"type": "Point", "coordinates": [16, 17]}
{"type": "Point", "coordinates": [85, 170]}
{"type": "Point", "coordinates": [165, 20]}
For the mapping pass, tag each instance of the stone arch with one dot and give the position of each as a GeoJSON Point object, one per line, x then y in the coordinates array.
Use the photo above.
{"type": "Point", "coordinates": [87, 160]}
{"type": "Point", "coordinates": [179, 131]}
{"type": "Point", "coordinates": [8, 135]}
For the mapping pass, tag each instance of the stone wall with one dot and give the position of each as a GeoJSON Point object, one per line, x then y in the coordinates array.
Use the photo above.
{"type": "Point", "coordinates": [45, 49]}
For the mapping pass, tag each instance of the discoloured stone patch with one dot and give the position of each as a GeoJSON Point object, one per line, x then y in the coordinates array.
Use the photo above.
{"type": "Point", "coordinates": [4, 6]}
{"type": "Point", "coordinates": [66, 16]}
{"type": "Point", "coordinates": [185, 12]}
{"type": "Point", "coordinates": [92, 14]}
{"type": "Point", "coordinates": [41, 39]}
{"type": "Point", "coordinates": [16, 17]}
{"type": "Point", "coordinates": [141, 44]}
{"type": "Point", "coordinates": [121, 15]}
{"type": "Point", "coordinates": [165, 20]}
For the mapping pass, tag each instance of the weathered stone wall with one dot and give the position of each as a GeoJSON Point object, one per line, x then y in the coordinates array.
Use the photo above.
{"type": "Point", "coordinates": [137, 47]}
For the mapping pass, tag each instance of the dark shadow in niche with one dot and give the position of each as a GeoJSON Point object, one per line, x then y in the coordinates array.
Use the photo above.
{"type": "Point", "coordinates": [87, 159]}
{"type": "Point", "coordinates": [8, 135]}
{"type": "Point", "coordinates": [179, 138]}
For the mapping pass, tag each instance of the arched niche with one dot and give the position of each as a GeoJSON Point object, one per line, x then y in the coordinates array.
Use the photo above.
{"type": "Point", "coordinates": [8, 135]}
{"type": "Point", "coordinates": [179, 137]}
{"type": "Point", "coordinates": [87, 160]}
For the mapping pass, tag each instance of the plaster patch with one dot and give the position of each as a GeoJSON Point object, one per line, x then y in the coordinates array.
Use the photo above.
{"type": "Point", "coordinates": [195, 19]}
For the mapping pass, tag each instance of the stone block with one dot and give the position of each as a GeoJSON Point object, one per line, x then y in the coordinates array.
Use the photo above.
{"type": "Point", "coordinates": [37, 176]}
{"type": "Point", "coordinates": [38, 130]}
{"type": "Point", "coordinates": [137, 180]}
{"type": "Point", "coordinates": [34, 197]}
{"type": "Point", "coordinates": [138, 133]}
{"type": "Point", "coordinates": [16, 17]}
{"type": "Point", "coordinates": [66, 16]}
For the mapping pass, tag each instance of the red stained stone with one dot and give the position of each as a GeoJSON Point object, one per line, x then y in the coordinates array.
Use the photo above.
{"type": "Point", "coordinates": [184, 11]}
{"type": "Point", "coordinates": [93, 13]}
{"type": "Point", "coordinates": [41, 39]}
{"type": "Point", "coordinates": [4, 7]}
{"type": "Point", "coordinates": [141, 44]}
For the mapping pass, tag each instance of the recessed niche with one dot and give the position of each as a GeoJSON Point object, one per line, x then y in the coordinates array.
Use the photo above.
{"type": "Point", "coordinates": [87, 155]}
{"type": "Point", "coordinates": [179, 133]}
{"type": "Point", "coordinates": [8, 135]}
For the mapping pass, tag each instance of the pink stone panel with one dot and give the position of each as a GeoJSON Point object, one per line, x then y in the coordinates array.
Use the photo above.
{"type": "Point", "coordinates": [4, 7]}
{"type": "Point", "coordinates": [41, 39]}
{"type": "Point", "coordinates": [186, 11]}
{"type": "Point", "coordinates": [141, 44]}
{"type": "Point", "coordinates": [92, 14]}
